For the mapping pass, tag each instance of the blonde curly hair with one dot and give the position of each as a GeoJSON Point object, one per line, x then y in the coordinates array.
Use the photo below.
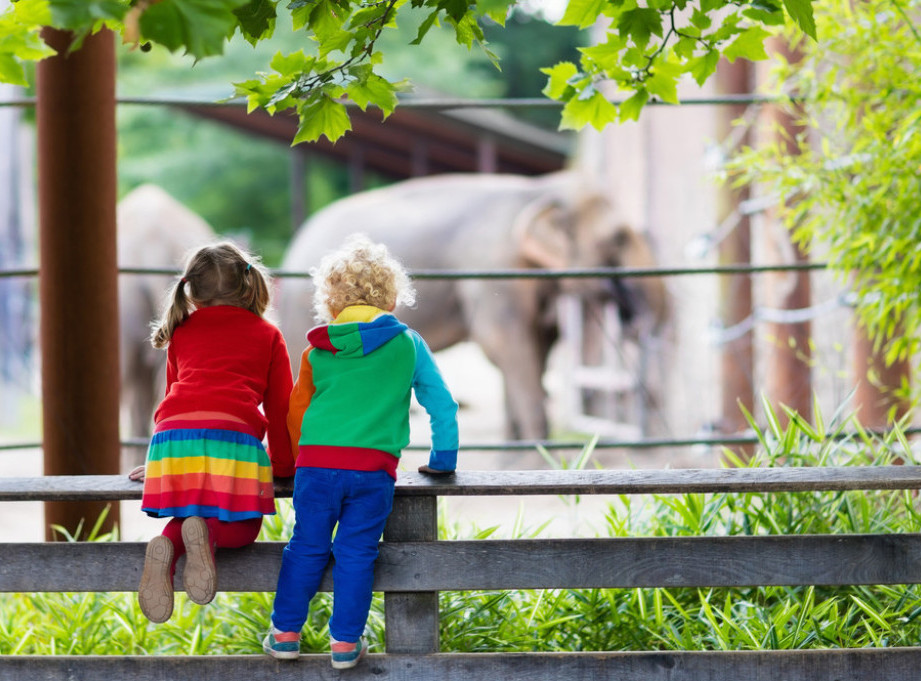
{"type": "Point", "coordinates": [360, 273]}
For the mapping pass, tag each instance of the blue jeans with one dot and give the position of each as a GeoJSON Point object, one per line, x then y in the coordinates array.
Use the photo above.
{"type": "Point", "coordinates": [360, 501]}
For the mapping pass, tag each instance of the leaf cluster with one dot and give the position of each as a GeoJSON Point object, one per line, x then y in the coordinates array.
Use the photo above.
{"type": "Point", "coordinates": [646, 48]}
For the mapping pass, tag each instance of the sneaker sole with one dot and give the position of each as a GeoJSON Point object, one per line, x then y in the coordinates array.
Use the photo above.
{"type": "Point", "coordinates": [200, 576]}
{"type": "Point", "coordinates": [155, 592]}
{"type": "Point", "coordinates": [281, 654]}
{"type": "Point", "coordinates": [348, 664]}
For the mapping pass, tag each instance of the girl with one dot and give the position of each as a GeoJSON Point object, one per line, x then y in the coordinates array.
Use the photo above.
{"type": "Point", "coordinates": [206, 466]}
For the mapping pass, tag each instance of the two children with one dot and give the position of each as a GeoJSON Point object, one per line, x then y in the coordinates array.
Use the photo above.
{"type": "Point", "coordinates": [347, 423]}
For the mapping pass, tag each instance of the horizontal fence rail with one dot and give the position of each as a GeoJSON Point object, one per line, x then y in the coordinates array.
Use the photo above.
{"type": "Point", "coordinates": [869, 664]}
{"type": "Point", "coordinates": [436, 103]}
{"type": "Point", "coordinates": [513, 564]}
{"type": "Point", "coordinates": [520, 483]}
{"type": "Point", "coordinates": [519, 273]}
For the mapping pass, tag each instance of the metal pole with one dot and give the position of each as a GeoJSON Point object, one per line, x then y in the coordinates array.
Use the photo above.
{"type": "Point", "coordinates": [789, 374]}
{"type": "Point", "coordinates": [876, 382]}
{"type": "Point", "coordinates": [735, 293]}
{"type": "Point", "coordinates": [78, 271]}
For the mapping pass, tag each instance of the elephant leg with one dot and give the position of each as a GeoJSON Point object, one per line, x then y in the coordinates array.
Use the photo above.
{"type": "Point", "coordinates": [517, 356]}
{"type": "Point", "coordinates": [139, 396]}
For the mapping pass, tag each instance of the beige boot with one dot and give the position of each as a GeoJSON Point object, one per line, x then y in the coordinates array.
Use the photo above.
{"type": "Point", "coordinates": [200, 574]}
{"type": "Point", "coordinates": [155, 592]}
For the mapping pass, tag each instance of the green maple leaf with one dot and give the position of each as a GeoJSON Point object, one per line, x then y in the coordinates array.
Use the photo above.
{"type": "Point", "coordinates": [582, 13]}
{"type": "Point", "coordinates": [640, 24]}
{"type": "Point", "coordinates": [630, 109]}
{"type": "Point", "coordinates": [748, 45]}
{"type": "Point", "coordinates": [200, 26]}
{"type": "Point", "coordinates": [80, 15]}
{"type": "Point", "coordinates": [559, 79]}
{"type": "Point", "coordinates": [372, 89]}
{"type": "Point", "coordinates": [11, 70]}
{"type": "Point", "coordinates": [801, 12]}
{"type": "Point", "coordinates": [257, 20]}
{"type": "Point", "coordinates": [497, 10]}
{"type": "Point", "coordinates": [322, 116]}
{"type": "Point", "coordinates": [703, 67]}
{"type": "Point", "coordinates": [593, 110]}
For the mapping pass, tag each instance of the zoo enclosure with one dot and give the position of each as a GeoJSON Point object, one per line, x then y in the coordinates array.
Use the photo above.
{"type": "Point", "coordinates": [413, 566]}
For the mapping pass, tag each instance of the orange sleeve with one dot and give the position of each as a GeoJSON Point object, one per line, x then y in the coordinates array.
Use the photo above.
{"type": "Point", "coordinates": [300, 400]}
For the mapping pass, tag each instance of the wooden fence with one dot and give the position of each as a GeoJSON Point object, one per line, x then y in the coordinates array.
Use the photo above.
{"type": "Point", "coordinates": [414, 566]}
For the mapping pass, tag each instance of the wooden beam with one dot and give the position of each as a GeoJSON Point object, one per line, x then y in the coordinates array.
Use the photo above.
{"type": "Point", "coordinates": [525, 483]}
{"type": "Point", "coordinates": [78, 276]}
{"type": "Point", "coordinates": [415, 570]}
{"type": "Point", "coordinates": [411, 617]}
{"type": "Point", "coordinates": [863, 664]}
{"type": "Point", "coordinates": [735, 291]}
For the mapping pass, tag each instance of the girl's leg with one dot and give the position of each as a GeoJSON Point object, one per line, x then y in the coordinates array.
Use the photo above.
{"type": "Point", "coordinates": [235, 535]}
{"type": "Point", "coordinates": [317, 498]}
{"type": "Point", "coordinates": [173, 532]}
{"type": "Point", "coordinates": [221, 534]}
{"type": "Point", "coordinates": [361, 523]}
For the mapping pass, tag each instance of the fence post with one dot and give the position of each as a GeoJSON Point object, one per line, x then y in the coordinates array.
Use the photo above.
{"type": "Point", "coordinates": [411, 619]}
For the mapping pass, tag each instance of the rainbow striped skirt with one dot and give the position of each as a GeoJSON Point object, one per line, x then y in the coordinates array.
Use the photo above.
{"type": "Point", "coordinates": [207, 472]}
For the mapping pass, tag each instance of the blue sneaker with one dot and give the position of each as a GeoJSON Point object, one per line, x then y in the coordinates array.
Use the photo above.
{"type": "Point", "coordinates": [282, 645]}
{"type": "Point", "coordinates": [346, 655]}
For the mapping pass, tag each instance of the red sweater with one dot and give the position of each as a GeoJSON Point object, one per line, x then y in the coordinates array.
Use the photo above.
{"type": "Point", "coordinates": [227, 359]}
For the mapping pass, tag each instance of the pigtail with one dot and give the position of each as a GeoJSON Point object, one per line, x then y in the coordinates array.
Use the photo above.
{"type": "Point", "coordinates": [254, 289]}
{"type": "Point", "coordinates": [175, 314]}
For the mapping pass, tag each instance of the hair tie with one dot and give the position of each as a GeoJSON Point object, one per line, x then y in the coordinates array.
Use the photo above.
{"type": "Point", "coordinates": [249, 266]}
{"type": "Point", "coordinates": [183, 281]}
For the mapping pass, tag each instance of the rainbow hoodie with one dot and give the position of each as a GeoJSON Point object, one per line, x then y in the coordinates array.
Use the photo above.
{"type": "Point", "coordinates": [350, 405]}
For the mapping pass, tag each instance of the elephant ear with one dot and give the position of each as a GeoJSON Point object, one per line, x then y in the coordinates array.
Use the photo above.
{"type": "Point", "coordinates": [542, 235]}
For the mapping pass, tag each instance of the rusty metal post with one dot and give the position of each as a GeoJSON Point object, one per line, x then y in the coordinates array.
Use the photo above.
{"type": "Point", "coordinates": [78, 275]}
{"type": "Point", "coordinates": [876, 383]}
{"type": "Point", "coordinates": [735, 295]}
{"type": "Point", "coordinates": [789, 373]}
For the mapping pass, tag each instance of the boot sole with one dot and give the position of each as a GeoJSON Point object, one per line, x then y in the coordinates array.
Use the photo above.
{"type": "Point", "coordinates": [155, 592]}
{"type": "Point", "coordinates": [200, 574]}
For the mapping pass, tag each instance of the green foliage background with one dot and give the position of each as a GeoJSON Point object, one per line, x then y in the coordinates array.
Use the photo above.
{"type": "Point", "coordinates": [851, 193]}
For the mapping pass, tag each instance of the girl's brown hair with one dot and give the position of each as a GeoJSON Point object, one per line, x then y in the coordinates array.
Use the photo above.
{"type": "Point", "coordinates": [220, 274]}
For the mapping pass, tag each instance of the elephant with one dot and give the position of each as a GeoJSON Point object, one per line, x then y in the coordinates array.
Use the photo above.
{"type": "Point", "coordinates": [486, 222]}
{"type": "Point", "coordinates": [154, 231]}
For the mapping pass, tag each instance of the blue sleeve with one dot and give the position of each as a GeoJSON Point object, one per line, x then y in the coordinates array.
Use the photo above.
{"type": "Point", "coordinates": [433, 394]}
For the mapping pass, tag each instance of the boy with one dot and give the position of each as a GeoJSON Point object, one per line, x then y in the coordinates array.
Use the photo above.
{"type": "Point", "coordinates": [349, 415]}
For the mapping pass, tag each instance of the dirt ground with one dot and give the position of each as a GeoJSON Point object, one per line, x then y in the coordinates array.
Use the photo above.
{"type": "Point", "coordinates": [478, 388]}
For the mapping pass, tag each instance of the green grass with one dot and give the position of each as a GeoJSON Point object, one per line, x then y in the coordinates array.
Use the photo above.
{"type": "Point", "coordinates": [570, 619]}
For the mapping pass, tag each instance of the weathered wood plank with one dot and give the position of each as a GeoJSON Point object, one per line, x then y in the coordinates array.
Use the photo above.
{"type": "Point", "coordinates": [510, 564]}
{"type": "Point", "coordinates": [865, 664]}
{"type": "Point", "coordinates": [411, 619]}
{"type": "Point", "coordinates": [537, 482]}
{"type": "Point", "coordinates": [663, 481]}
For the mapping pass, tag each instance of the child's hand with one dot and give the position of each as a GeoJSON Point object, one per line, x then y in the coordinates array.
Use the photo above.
{"type": "Point", "coordinates": [433, 471]}
{"type": "Point", "coordinates": [137, 474]}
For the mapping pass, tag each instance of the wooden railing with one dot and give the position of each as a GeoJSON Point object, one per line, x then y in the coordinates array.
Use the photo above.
{"type": "Point", "coordinates": [414, 566]}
